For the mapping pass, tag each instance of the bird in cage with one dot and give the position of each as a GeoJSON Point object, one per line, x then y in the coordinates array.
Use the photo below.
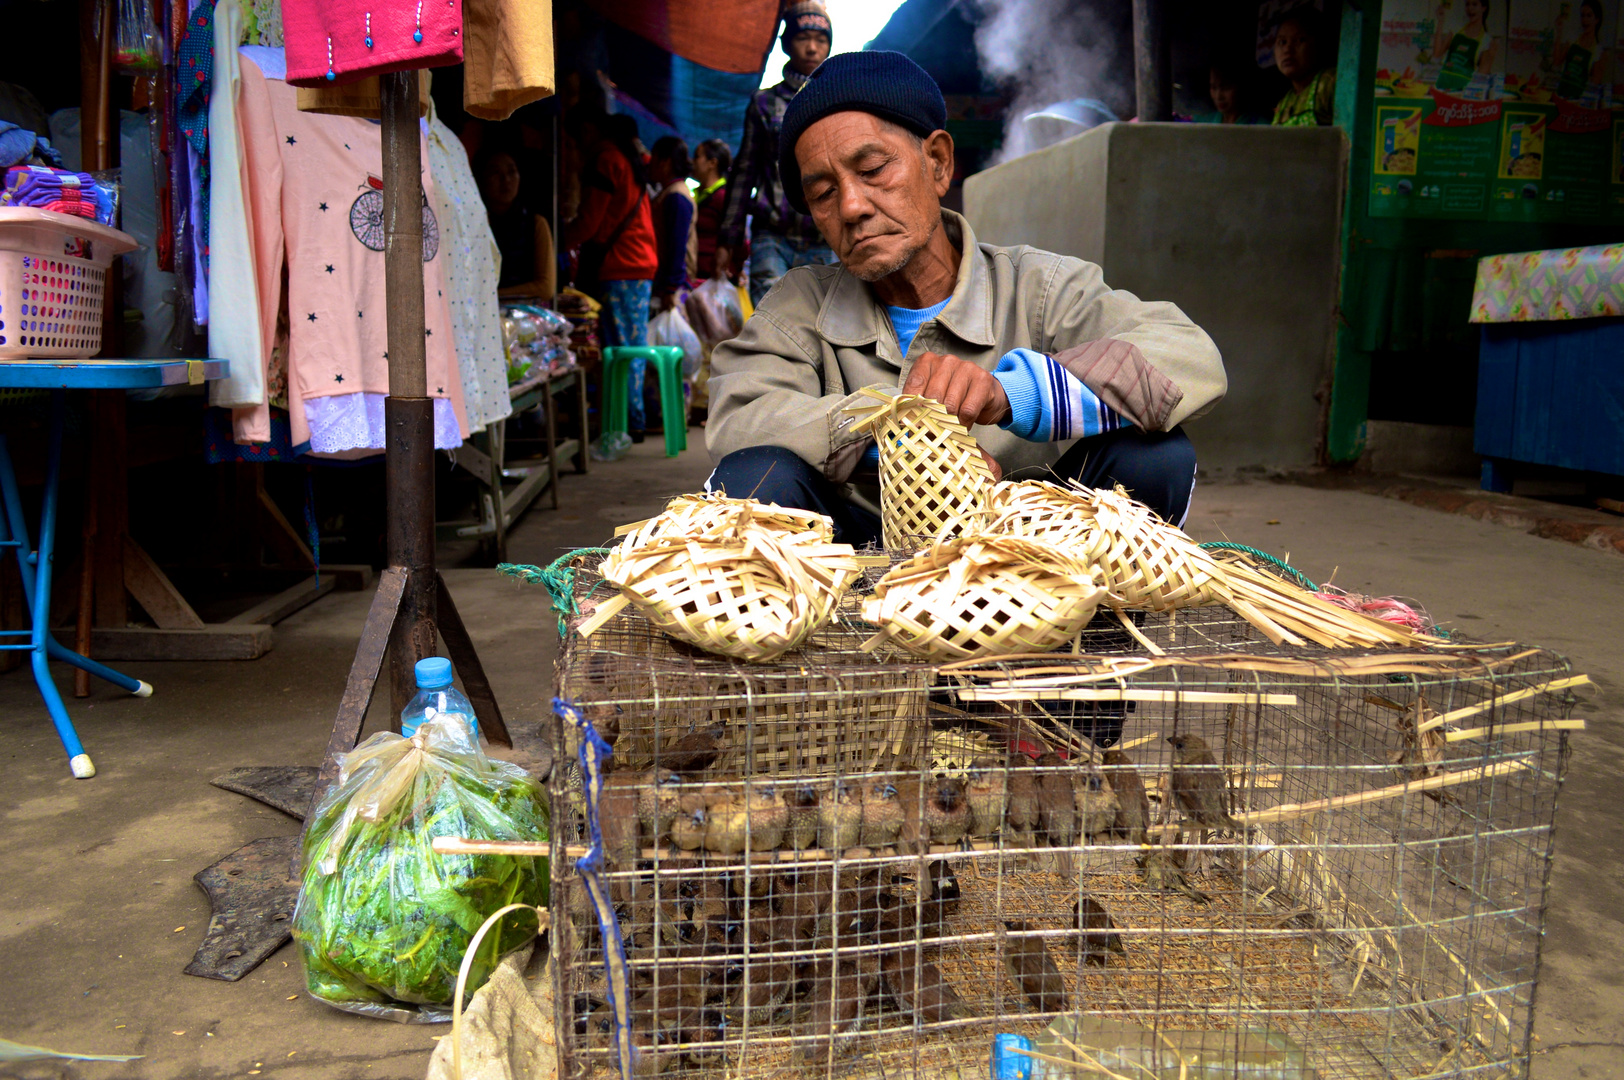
{"type": "Point", "coordinates": [705, 1027]}
{"type": "Point", "coordinates": [1023, 801]}
{"type": "Point", "coordinates": [838, 1002]}
{"type": "Point", "coordinates": [767, 814]}
{"type": "Point", "coordinates": [987, 791]}
{"type": "Point", "coordinates": [947, 812]}
{"type": "Point", "coordinates": [1057, 809]}
{"type": "Point", "coordinates": [1164, 872]}
{"type": "Point", "coordinates": [801, 826]}
{"type": "Point", "coordinates": [1032, 968]}
{"type": "Point", "coordinates": [694, 752]}
{"type": "Point", "coordinates": [840, 816]}
{"type": "Point", "coordinates": [769, 987]}
{"type": "Point", "coordinates": [944, 885]}
{"type": "Point", "coordinates": [617, 817]}
{"type": "Point", "coordinates": [1097, 804]}
{"type": "Point", "coordinates": [1099, 936]}
{"type": "Point", "coordinates": [748, 882]}
{"type": "Point", "coordinates": [1133, 806]}
{"type": "Point", "coordinates": [882, 815]}
{"type": "Point", "coordinates": [728, 825]}
{"type": "Point", "coordinates": [919, 987]}
{"type": "Point", "coordinates": [692, 822]}
{"type": "Point", "coordinates": [1198, 784]}
{"type": "Point", "coordinates": [659, 794]}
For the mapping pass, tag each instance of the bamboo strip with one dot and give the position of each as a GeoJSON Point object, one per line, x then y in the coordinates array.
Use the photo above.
{"type": "Point", "coordinates": [1200, 697]}
{"type": "Point", "coordinates": [1513, 729]}
{"type": "Point", "coordinates": [1504, 699]}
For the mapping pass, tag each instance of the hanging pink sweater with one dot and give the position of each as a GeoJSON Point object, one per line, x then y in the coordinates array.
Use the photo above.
{"type": "Point", "coordinates": [315, 204]}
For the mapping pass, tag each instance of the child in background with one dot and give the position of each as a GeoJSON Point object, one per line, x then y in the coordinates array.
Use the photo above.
{"type": "Point", "coordinates": [1226, 87]}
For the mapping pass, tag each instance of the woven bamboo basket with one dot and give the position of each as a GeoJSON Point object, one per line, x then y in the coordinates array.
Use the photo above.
{"type": "Point", "coordinates": [730, 576]}
{"type": "Point", "coordinates": [1150, 565]}
{"type": "Point", "coordinates": [983, 595]}
{"type": "Point", "coordinates": [932, 474]}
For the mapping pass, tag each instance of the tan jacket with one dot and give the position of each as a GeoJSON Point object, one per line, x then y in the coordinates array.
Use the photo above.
{"type": "Point", "coordinates": [821, 335]}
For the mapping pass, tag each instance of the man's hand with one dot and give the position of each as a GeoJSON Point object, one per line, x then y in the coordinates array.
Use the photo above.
{"type": "Point", "coordinates": [969, 392]}
{"type": "Point", "coordinates": [724, 261]}
{"type": "Point", "coordinates": [993, 467]}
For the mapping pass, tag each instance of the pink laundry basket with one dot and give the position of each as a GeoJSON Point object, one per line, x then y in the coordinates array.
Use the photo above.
{"type": "Point", "coordinates": [53, 283]}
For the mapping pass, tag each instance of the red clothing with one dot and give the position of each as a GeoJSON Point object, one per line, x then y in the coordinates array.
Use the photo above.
{"type": "Point", "coordinates": [708, 223]}
{"type": "Point", "coordinates": [609, 192]}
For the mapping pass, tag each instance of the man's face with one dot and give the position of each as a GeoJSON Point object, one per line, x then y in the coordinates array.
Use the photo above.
{"type": "Point", "coordinates": [873, 190]}
{"type": "Point", "coordinates": [807, 50]}
{"type": "Point", "coordinates": [1293, 51]}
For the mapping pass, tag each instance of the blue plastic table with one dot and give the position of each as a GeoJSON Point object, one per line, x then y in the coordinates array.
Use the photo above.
{"type": "Point", "coordinates": [35, 565]}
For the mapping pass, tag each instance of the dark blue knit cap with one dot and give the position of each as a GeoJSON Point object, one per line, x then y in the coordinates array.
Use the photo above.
{"type": "Point", "coordinates": [887, 84]}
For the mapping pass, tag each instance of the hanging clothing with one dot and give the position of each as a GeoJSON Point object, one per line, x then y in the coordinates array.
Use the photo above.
{"type": "Point", "coordinates": [234, 331]}
{"type": "Point", "coordinates": [509, 49]}
{"type": "Point", "coordinates": [315, 203]}
{"type": "Point", "coordinates": [1311, 105]}
{"type": "Point", "coordinates": [332, 41]}
{"type": "Point", "coordinates": [471, 262]}
{"type": "Point", "coordinates": [363, 98]}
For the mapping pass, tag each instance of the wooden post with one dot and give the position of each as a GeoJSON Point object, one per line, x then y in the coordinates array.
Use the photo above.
{"type": "Point", "coordinates": [1152, 63]}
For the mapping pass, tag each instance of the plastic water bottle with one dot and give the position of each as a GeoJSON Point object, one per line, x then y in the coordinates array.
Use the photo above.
{"type": "Point", "coordinates": [436, 698]}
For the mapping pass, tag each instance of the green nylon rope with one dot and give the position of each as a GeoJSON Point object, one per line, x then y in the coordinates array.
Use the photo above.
{"type": "Point", "coordinates": [1278, 563]}
{"type": "Point", "coordinates": [559, 578]}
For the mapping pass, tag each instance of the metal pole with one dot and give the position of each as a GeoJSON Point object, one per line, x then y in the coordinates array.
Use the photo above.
{"type": "Point", "coordinates": [1152, 62]}
{"type": "Point", "coordinates": [408, 411]}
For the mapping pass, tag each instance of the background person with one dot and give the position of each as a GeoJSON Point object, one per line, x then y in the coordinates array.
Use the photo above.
{"type": "Point", "coordinates": [712, 159]}
{"type": "Point", "coordinates": [673, 210]}
{"type": "Point", "coordinates": [529, 270]}
{"type": "Point", "coordinates": [1312, 95]}
{"type": "Point", "coordinates": [781, 237]}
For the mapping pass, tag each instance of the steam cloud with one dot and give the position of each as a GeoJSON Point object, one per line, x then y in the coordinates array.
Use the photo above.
{"type": "Point", "coordinates": [1046, 51]}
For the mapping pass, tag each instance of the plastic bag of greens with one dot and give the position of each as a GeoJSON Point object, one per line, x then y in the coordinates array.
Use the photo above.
{"type": "Point", "coordinates": [381, 917]}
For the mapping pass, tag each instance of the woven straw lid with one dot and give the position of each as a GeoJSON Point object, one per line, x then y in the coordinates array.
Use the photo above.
{"type": "Point", "coordinates": [932, 474]}
{"type": "Point", "coordinates": [982, 595]}
{"type": "Point", "coordinates": [731, 576]}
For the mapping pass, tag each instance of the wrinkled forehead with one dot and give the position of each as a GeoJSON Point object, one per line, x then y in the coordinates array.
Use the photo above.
{"type": "Point", "coordinates": [842, 138]}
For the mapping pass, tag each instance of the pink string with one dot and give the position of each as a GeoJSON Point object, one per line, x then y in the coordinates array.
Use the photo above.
{"type": "Point", "coordinates": [1387, 608]}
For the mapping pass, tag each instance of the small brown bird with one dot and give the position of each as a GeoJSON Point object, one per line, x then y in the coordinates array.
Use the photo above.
{"type": "Point", "coordinates": [689, 827]}
{"type": "Point", "coordinates": [801, 831]}
{"type": "Point", "coordinates": [1099, 936]}
{"type": "Point", "coordinates": [769, 988]}
{"type": "Point", "coordinates": [840, 816]}
{"type": "Point", "coordinates": [727, 828]}
{"type": "Point", "coordinates": [767, 814]}
{"type": "Point", "coordinates": [1097, 804]}
{"type": "Point", "coordinates": [1133, 807]}
{"type": "Point", "coordinates": [605, 720]}
{"type": "Point", "coordinates": [1022, 805]}
{"type": "Point", "coordinates": [1034, 970]}
{"type": "Point", "coordinates": [701, 1029]}
{"type": "Point", "coordinates": [1199, 785]}
{"type": "Point", "coordinates": [694, 752]}
{"type": "Point", "coordinates": [1164, 872]}
{"type": "Point", "coordinates": [987, 792]}
{"type": "Point", "coordinates": [882, 815]}
{"type": "Point", "coordinates": [920, 988]}
{"type": "Point", "coordinates": [944, 885]}
{"type": "Point", "coordinates": [838, 1003]}
{"type": "Point", "coordinates": [947, 812]}
{"type": "Point", "coordinates": [617, 816]}
{"type": "Point", "coordinates": [1057, 810]}
{"type": "Point", "coordinates": [657, 799]}
{"type": "Point", "coordinates": [904, 922]}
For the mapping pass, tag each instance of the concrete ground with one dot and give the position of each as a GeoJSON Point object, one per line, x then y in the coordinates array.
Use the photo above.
{"type": "Point", "coordinates": [98, 912]}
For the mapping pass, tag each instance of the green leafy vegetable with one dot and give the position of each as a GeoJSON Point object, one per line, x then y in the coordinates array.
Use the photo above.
{"type": "Point", "coordinates": [381, 917]}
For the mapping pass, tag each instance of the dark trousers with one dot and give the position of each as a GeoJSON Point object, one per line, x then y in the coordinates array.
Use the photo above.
{"type": "Point", "coordinates": [1157, 468]}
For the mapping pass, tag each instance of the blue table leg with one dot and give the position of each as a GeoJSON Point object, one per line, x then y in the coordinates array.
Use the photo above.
{"type": "Point", "coordinates": [37, 589]}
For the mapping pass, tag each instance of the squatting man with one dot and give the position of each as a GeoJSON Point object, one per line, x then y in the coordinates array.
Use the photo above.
{"type": "Point", "coordinates": [1054, 373]}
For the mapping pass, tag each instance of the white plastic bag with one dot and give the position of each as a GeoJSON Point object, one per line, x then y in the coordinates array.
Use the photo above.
{"type": "Point", "coordinates": [669, 327]}
{"type": "Point", "coordinates": [714, 312]}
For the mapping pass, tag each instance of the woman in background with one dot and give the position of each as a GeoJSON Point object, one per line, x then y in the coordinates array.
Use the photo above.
{"type": "Point", "coordinates": [712, 160]}
{"type": "Point", "coordinates": [1297, 46]}
{"type": "Point", "coordinates": [614, 237]}
{"type": "Point", "coordinates": [1226, 86]}
{"type": "Point", "coordinates": [673, 208]}
{"type": "Point", "coordinates": [523, 237]}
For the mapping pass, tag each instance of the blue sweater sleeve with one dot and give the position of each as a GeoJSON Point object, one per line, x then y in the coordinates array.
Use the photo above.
{"type": "Point", "coordinates": [679, 216]}
{"type": "Point", "coordinates": [1047, 403]}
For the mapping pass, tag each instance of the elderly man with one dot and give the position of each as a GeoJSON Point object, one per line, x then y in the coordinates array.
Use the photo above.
{"type": "Point", "coordinates": [1053, 372]}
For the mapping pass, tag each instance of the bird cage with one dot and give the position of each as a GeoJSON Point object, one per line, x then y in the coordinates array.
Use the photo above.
{"type": "Point", "coordinates": [1230, 858]}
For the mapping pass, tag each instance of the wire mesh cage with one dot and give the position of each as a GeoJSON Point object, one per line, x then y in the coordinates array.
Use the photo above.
{"type": "Point", "coordinates": [1232, 860]}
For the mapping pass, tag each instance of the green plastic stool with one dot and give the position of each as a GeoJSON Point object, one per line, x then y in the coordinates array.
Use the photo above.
{"type": "Point", "coordinates": [667, 363]}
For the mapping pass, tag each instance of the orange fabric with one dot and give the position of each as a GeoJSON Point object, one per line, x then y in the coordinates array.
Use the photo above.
{"type": "Point", "coordinates": [726, 35]}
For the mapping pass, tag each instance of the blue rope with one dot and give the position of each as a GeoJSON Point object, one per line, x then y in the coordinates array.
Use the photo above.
{"type": "Point", "coordinates": [559, 578]}
{"type": "Point", "coordinates": [1278, 563]}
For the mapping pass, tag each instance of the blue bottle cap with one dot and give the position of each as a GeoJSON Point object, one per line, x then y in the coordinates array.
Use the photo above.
{"type": "Point", "coordinates": [433, 673]}
{"type": "Point", "coordinates": [1006, 1065]}
{"type": "Point", "coordinates": [418, 37]}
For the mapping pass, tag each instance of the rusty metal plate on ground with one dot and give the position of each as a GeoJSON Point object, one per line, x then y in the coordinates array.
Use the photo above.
{"type": "Point", "coordinates": [286, 787]}
{"type": "Point", "coordinates": [252, 895]}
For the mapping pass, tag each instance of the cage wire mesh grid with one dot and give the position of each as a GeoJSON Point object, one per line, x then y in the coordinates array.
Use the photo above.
{"type": "Point", "coordinates": [850, 863]}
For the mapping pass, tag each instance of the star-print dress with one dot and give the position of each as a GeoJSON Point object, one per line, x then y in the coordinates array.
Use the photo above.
{"type": "Point", "coordinates": [315, 202]}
